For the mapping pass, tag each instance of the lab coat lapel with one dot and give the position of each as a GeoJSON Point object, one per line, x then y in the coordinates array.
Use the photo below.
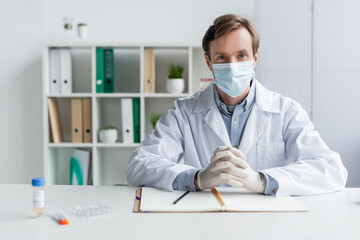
{"type": "Point", "coordinates": [254, 127]}
{"type": "Point", "coordinates": [215, 122]}
{"type": "Point", "coordinates": [212, 117]}
{"type": "Point", "coordinates": [267, 103]}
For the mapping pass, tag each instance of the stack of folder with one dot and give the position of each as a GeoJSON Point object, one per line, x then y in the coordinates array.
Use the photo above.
{"type": "Point", "coordinates": [60, 71]}
{"type": "Point", "coordinates": [81, 120]}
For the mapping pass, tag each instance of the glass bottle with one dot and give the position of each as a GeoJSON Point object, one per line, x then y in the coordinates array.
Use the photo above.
{"type": "Point", "coordinates": [38, 196]}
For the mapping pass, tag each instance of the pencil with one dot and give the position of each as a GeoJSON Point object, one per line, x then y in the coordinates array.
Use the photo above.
{"type": "Point", "coordinates": [181, 197]}
{"type": "Point", "coordinates": [218, 197]}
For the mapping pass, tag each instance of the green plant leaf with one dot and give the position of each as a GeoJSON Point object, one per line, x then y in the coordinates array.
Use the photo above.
{"type": "Point", "coordinates": [106, 128]}
{"type": "Point", "coordinates": [175, 71]}
{"type": "Point", "coordinates": [153, 119]}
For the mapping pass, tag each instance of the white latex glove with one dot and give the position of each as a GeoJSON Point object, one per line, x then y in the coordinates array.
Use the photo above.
{"type": "Point", "coordinates": [222, 169]}
{"type": "Point", "coordinates": [228, 165]}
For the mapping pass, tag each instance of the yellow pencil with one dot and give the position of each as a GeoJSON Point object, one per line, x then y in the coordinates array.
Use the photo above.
{"type": "Point", "coordinates": [218, 197]}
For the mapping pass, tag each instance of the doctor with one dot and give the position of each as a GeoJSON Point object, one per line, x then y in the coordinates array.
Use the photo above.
{"type": "Point", "coordinates": [236, 132]}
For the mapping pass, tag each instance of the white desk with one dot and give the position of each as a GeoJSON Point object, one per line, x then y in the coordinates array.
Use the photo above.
{"type": "Point", "coordinates": [331, 216]}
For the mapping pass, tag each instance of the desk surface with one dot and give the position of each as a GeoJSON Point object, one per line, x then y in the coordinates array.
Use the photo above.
{"type": "Point", "coordinates": [331, 216]}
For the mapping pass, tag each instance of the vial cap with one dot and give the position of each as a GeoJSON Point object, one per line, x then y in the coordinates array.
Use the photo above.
{"type": "Point", "coordinates": [38, 182]}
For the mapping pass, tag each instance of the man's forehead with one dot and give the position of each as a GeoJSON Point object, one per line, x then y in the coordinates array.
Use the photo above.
{"type": "Point", "coordinates": [240, 50]}
{"type": "Point", "coordinates": [234, 41]}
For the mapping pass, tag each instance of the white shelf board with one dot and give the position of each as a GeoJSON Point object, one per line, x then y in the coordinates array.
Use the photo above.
{"type": "Point", "coordinates": [115, 145]}
{"type": "Point", "coordinates": [69, 144]}
{"type": "Point", "coordinates": [165, 95]}
{"type": "Point", "coordinates": [71, 95]}
{"type": "Point", "coordinates": [117, 95]}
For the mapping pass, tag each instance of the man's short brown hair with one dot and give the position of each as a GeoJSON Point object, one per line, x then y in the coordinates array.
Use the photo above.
{"type": "Point", "coordinates": [225, 24]}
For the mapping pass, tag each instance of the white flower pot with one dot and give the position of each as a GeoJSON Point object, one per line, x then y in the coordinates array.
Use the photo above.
{"type": "Point", "coordinates": [108, 135]}
{"type": "Point", "coordinates": [175, 85]}
{"type": "Point", "coordinates": [82, 31]}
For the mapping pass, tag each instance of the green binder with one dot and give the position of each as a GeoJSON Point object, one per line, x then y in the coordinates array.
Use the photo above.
{"type": "Point", "coordinates": [75, 170]}
{"type": "Point", "coordinates": [109, 70]}
{"type": "Point", "coordinates": [136, 119]}
{"type": "Point", "coordinates": [99, 70]}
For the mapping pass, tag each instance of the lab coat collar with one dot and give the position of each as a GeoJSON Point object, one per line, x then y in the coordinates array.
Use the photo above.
{"type": "Point", "coordinates": [206, 99]}
{"type": "Point", "coordinates": [266, 100]}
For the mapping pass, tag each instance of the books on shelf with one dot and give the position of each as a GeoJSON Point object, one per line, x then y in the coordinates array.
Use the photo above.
{"type": "Point", "coordinates": [65, 71]}
{"type": "Point", "coordinates": [219, 199]}
{"type": "Point", "coordinates": [55, 121]}
{"type": "Point", "coordinates": [81, 167]}
{"type": "Point", "coordinates": [99, 70]}
{"type": "Point", "coordinates": [81, 120]}
{"type": "Point", "coordinates": [136, 119]}
{"type": "Point", "coordinates": [149, 70]}
{"type": "Point", "coordinates": [60, 78]}
{"type": "Point", "coordinates": [76, 120]}
{"type": "Point", "coordinates": [87, 120]}
{"type": "Point", "coordinates": [54, 60]}
{"type": "Point", "coordinates": [130, 116]}
{"type": "Point", "coordinates": [104, 70]}
{"type": "Point", "coordinates": [127, 120]}
{"type": "Point", "coordinates": [109, 70]}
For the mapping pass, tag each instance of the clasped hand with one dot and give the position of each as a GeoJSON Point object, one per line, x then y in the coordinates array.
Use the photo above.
{"type": "Point", "coordinates": [228, 165]}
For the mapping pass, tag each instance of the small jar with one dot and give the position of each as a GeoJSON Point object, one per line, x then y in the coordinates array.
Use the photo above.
{"type": "Point", "coordinates": [38, 196]}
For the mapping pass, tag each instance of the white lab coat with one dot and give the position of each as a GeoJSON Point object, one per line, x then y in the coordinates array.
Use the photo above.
{"type": "Point", "coordinates": [279, 140]}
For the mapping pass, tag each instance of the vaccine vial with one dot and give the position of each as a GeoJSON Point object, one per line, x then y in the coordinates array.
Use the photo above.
{"type": "Point", "coordinates": [38, 196]}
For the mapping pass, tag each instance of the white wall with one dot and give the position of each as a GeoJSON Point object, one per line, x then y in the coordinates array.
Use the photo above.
{"type": "Point", "coordinates": [285, 48]}
{"type": "Point", "coordinates": [21, 42]}
{"type": "Point", "coordinates": [27, 25]}
{"type": "Point", "coordinates": [313, 56]}
{"type": "Point", "coordinates": [139, 21]}
{"type": "Point", "coordinates": [337, 79]}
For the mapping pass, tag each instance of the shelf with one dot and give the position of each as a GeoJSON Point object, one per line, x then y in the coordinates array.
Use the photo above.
{"type": "Point", "coordinates": [117, 145]}
{"type": "Point", "coordinates": [165, 95]}
{"type": "Point", "coordinates": [109, 161]}
{"type": "Point", "coordinates": [69, 145]}
{"type": "Point", "coordinates": [72, 95]}
{"type": "Point", "coordinates": [117, 95]}
{"type": "Point", "coordinates": [88, 145]}
{"type": "Point", "coordinates": [166, 56]}
{"type": "Point", "coordinates": [111, 165]}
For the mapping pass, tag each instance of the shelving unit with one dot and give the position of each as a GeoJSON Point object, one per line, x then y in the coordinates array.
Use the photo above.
{"type": "Point", "coordinates": [109, 161]}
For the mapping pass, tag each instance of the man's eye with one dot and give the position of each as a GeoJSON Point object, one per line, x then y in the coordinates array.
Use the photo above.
{"type": "Point", "coordinates": [241, 55]}
{"type": "Point", "coordinates": [221, 57]}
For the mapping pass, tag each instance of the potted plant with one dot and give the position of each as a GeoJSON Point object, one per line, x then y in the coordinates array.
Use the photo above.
{"type": "Point", "coordinates": [108, 134]}
{"type": "Point", "coordinates": [175, 82]}
{"type": "Point", "coordinates": [153, 119]}
{"type": "Point", "coordinates": [82, 30]}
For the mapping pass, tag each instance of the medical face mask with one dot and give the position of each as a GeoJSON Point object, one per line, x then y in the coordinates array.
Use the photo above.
{"type": "Point", "coordinates": [233, 78]}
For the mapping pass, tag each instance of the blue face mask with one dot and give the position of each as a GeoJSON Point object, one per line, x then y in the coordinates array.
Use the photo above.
{"type": "Point", "coordinates": [233, 78]}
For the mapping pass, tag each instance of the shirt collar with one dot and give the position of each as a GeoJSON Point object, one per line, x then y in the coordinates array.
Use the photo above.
{"type": "Point", "coordinates": [244, 104]}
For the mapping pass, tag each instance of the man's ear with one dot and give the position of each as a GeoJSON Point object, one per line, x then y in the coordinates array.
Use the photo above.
{"type": "Point", "coordinates": [208, 62]}
{"type": "Point", "coordinates": [256, 58]}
